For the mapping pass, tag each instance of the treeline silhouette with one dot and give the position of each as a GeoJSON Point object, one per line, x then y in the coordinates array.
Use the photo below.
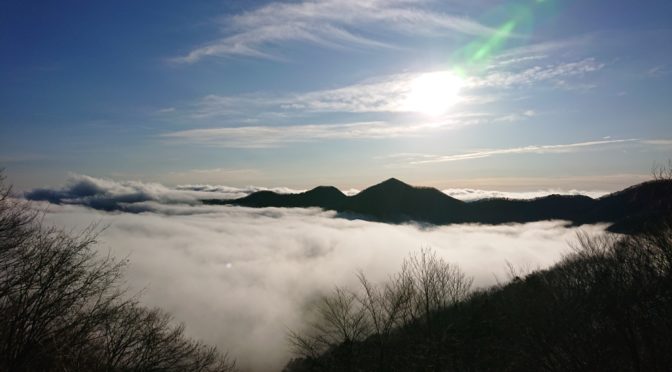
{"type": "Point", "coordinates": [607, 306]}
{"type": "Point", "coordinates": [64, 309]}
{"type": "Point", "coordinates": [632, 210]}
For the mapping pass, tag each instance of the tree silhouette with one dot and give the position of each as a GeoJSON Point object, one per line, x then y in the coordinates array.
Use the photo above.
{"type": "Point", "coordinates": [62, 307]}
{"type": "Point", "coordinates": [605, 306]}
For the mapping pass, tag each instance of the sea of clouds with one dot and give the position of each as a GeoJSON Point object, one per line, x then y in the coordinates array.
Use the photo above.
{"type": "Point", "coordinates": [477, 194]}
{"type": "Point", "coordinates": [130, 196]}
{"type": "Point", "coordinates": [241, 277]}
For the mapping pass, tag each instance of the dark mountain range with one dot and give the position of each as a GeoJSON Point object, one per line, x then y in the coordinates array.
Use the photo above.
{"type": "Point", "coordinates": [632, 210]}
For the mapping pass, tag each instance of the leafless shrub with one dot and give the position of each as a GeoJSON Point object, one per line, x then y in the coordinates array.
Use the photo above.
{"type": "Point", "coordinates": [605, 306]}
{"type": "Point", "coordinates": [16, 219]}
{"type": "Point", "coordinates": [139, 338]}
{"type": "Point", "coordinates": [339, 319]}
{"type": "Point", "coordinates": [662, 171]}
{"type": "Point", "coordinates": [62, 307]}
{"type": "Point", "coordinates": [425, 284]}
{"type": "Point", "coordinates": [385, 305]}
{"type": "Point", "coordinates": [436, 283]}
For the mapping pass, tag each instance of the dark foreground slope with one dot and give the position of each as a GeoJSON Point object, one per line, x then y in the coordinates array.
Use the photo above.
{"type": "Point", "coordinates": [63, 306]}
{"type": "Point", "coordinates": [632, 210]}
{"type": "Point", "coordinates": [606, 307]}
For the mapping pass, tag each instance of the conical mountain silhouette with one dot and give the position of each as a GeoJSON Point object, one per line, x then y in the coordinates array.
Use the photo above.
{"type": "Point", "coordinates": [632, 210]}
{"type": "Point", "coordinates": [393, 200]}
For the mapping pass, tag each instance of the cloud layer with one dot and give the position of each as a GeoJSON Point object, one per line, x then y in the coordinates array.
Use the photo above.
{"type": "Point", "coordinates": [240, 277]}
{"type": "Point", "coordinates": [476, 194]}
{"type": "Point", "coordinates": [136, 197]}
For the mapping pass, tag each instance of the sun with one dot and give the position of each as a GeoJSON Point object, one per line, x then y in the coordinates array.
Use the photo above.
{"type": "Point", "coordinates": [434, 93]}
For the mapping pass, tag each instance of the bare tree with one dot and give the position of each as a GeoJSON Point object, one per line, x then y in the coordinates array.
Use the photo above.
{"type": "Point", "coordinates": [340, 319]}
{"type": "Point", "coordinates": [62, 307]}
{"type": "Point", "coordinates": [16, 219]}
{"type": "Point", "coordinates": [662, 172]}
{"type": "Point", "coordinates": [425, 285]}
{"type": "Point", "coordinates": [436, 283]}
{"type": "Point", "coordinates": [385, 304]}
{"type": "Point", "coordinates": [605, 306]}
{"type": "Point", "coordinates": [139, 338]}
{"type": "Point", "coordinates": [55, 290]}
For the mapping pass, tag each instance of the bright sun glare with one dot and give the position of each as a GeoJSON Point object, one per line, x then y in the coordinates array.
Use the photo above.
{"type": "Point", "coordinates": [434, 93]}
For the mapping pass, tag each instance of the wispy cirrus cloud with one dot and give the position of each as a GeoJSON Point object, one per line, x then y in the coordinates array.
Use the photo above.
{"type": "Point", "coordinates": [543, 49]}
{"type": "Point", "coordinates": [532, 149]}
{"type": "Point", "coordinates": [539, 73]}
{"type": "Point", "coordinates": [274, 136]}
{"type": "Point", "coordinates": [389, 93]}
{"type": "Point", "coordinates": [259, 120]}
{"type": "Point", "coordinates": [327, 23]}
{"type": "Point", "coordinates": [383, 94]}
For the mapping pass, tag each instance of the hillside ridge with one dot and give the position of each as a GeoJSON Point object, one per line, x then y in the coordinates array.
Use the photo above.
{"type": "Point", "coordinates": [631, 210]}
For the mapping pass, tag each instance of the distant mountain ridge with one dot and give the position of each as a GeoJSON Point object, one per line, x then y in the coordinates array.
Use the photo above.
{"type": "Point", "coordinates": [631, 210]}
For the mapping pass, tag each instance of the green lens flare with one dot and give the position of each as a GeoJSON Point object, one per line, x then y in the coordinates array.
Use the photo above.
{"type": "Point", "coordinates": [485, 50]}
{"type": "Point", "coordinates": [516, 21]}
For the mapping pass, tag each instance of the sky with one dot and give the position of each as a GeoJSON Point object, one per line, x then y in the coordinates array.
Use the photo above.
{"type": "Point", "coordinates": [483, 94]}
{"type": "Point", "coordinates": [154, 105]}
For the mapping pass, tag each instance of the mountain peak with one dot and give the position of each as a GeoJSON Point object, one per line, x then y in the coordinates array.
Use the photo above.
{"type": "Point", "coordinates": [325, 190]}
{"type": "Point", "coordinates": [393, 182]}
{"type": "Point", "coordinates": [389, 185]}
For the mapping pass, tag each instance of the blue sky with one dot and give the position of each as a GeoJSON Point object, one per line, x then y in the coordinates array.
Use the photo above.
{"type": "Point", "coordinates": [526, 94]}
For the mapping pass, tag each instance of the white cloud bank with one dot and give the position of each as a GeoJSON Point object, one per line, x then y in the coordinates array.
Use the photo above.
{"type": "Point", "coordinates": [135, 196]}
{"type": "Point", "coordinates": [476, 194]}
{"type": "Point", "coordinates": [240, 277]}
